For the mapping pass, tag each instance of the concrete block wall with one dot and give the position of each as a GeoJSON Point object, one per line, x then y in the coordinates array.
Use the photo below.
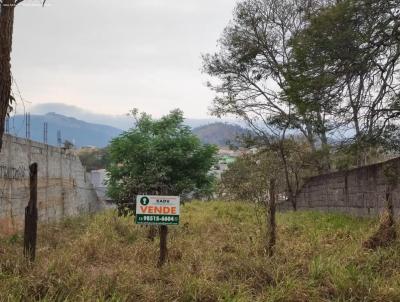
{"type": "Point", "coordinates": [64, 188]}
{"type": "Point", "coordinates": [360, 191]}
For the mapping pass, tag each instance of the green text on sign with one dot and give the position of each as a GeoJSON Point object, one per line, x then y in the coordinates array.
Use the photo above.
{"type": "Point", "coordinates": [157, 210]}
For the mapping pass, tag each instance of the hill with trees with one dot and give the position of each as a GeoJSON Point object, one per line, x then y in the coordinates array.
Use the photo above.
{"type": "Point", "coordinates": [220, 134]}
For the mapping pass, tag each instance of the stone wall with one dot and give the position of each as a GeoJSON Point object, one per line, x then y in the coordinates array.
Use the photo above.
{"type": "Point", "coordinates": [360, 191]}
{"type": "Point", "coordinates": [64, 188]}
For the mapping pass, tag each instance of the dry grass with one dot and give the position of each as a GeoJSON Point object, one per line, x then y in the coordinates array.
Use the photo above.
{"type": "Point", "coordinates": [384, 236]}
{"type": "Point", "coordinates": [216, 254]}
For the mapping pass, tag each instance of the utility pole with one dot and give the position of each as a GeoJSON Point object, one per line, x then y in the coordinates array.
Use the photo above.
{"type": "Point", "coordinates": [28, 125]}
{"type": "Point", "coordinates": [7, 125]}
{"type": "Point", "coordinates": [59, 140]}
{"type": "Point", "coordinates": [45, 129]}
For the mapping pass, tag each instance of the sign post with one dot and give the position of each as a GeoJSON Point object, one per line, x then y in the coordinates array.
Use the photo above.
{"type": "Point", "coordinates": [158, 210]}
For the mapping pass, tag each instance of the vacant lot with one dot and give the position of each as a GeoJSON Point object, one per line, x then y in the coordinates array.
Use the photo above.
{"type": "Point", "coordinates": [216, 254]}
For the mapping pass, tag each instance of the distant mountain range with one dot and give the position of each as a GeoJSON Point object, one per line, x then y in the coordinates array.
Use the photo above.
{"type": "Point", "coordinates": [90, 129]}
{"type": "Point", "coordinates": [79, 132]}
{"type": "Point", "coordinates": [123, 121]}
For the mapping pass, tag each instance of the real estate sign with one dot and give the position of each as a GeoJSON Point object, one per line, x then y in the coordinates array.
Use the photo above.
{"type": "Point", "coordinates": [158, 210]}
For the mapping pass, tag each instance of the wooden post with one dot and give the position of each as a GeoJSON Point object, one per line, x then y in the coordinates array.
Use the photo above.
{"type": "Point", "coordinates": [163, 245]}
{"type": "Point", "coordinates": [389, 205]}
{"type": "Point", "coordinates": [271, 219]}
{"type": "Point", "coordinates": [31, 216]}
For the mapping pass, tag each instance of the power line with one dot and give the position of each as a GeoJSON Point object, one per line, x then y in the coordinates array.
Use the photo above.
{"type": "Point", "coordinates": [7, 124]}
{"type": "Point", "coordinates": [28, 125]}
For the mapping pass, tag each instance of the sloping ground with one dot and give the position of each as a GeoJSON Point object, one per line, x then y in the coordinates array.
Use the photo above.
{"type": "Point", "coordinates": [215, 255]}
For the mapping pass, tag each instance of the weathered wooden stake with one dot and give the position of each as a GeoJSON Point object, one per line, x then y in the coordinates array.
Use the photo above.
{"type": "Point", "coordinates": [163, 245]}
{"type": "Point", "coordinates": [271, 223]}
{"type": "Point", "coordinates": [389, 205]}
{"type": "Point", "coordinates": [31, 216]}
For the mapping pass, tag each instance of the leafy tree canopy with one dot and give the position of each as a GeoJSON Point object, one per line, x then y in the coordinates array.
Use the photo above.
{"type": "Point", "coordinates": [325, 69]}
{"type": "Point", "coordinates": [346, 61]}
{"type": "Point", "coordinates": [249, 71]}
{"type": "Point", "coordinates": [249, 176]}
{"type": "Point", "coordinates": [158, 157]}
{"type": "Point", "coordinates": [94, 159]}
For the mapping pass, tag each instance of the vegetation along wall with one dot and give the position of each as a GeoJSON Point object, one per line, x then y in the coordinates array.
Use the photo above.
{"type": "Point", "coordinates": [64, 189]}
{"type": "Point", "coordinates": [360, 191]}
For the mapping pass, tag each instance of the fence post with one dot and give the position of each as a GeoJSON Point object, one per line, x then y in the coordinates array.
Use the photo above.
{"type": "Point", "coordinates": [271, 224]}
{"type": "Point", "coordinates": [31, 216]}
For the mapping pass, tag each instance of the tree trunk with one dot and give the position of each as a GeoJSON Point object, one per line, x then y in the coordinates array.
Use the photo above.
{"type": "Point", "coordinates": [271, 222]}
{"type": "Point", "coordinates": [326, 163]}
{"type": "Point", "coordinates": [6, 31]}
{"type": "Point", "coordinates": [293, 202]}
{"type": "Point", "coordinates": [386, 233]}
{"type": "Point", "coordinates": [291, 195]}
{"type": "Point", "coordinates": [309, 134]}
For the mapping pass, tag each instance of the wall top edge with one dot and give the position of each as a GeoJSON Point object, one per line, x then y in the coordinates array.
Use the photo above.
{"type": "Point", "coordinates": [23, 141]}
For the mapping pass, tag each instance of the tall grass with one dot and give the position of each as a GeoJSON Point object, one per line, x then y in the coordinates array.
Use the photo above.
{"type": "Point", "coordinates": [216, 254]}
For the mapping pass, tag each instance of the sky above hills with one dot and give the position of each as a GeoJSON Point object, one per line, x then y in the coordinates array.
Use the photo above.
{"type": "Point", "coordinates": [109, 57]}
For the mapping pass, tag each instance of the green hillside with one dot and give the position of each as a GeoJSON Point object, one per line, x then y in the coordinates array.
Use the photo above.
{"type": "Point", "coordinates": [216, 254]}
{"type": "Point", "coordinates": [220, 134]}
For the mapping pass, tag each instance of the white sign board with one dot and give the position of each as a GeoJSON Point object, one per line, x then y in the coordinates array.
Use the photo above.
{"type": "Point", "coordinates": [158, 210]}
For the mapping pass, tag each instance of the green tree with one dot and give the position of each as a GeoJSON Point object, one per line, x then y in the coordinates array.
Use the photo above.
{"type": "Point", "coordinates": [265, 175]}
{"type": "Point", "coordinates": [251, 71]}
{"type": "Point", "coordinates": [347, 61]}
{"type": "Point", "coordinates": [158, 157]}
{"type": "Point", "coordinates": [249, 176]}
{"type": "Point", "coordinates": [94, 159]}
{"type": "Point", "coordinates": [256, 178]}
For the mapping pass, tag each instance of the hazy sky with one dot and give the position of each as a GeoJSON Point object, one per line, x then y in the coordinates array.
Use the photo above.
{"type": "Point", "coordinates": [111, 56]}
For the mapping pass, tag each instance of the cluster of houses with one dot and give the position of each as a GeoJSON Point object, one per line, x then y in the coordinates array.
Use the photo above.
{"type": "Point", "coordinates": [226, 157]}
